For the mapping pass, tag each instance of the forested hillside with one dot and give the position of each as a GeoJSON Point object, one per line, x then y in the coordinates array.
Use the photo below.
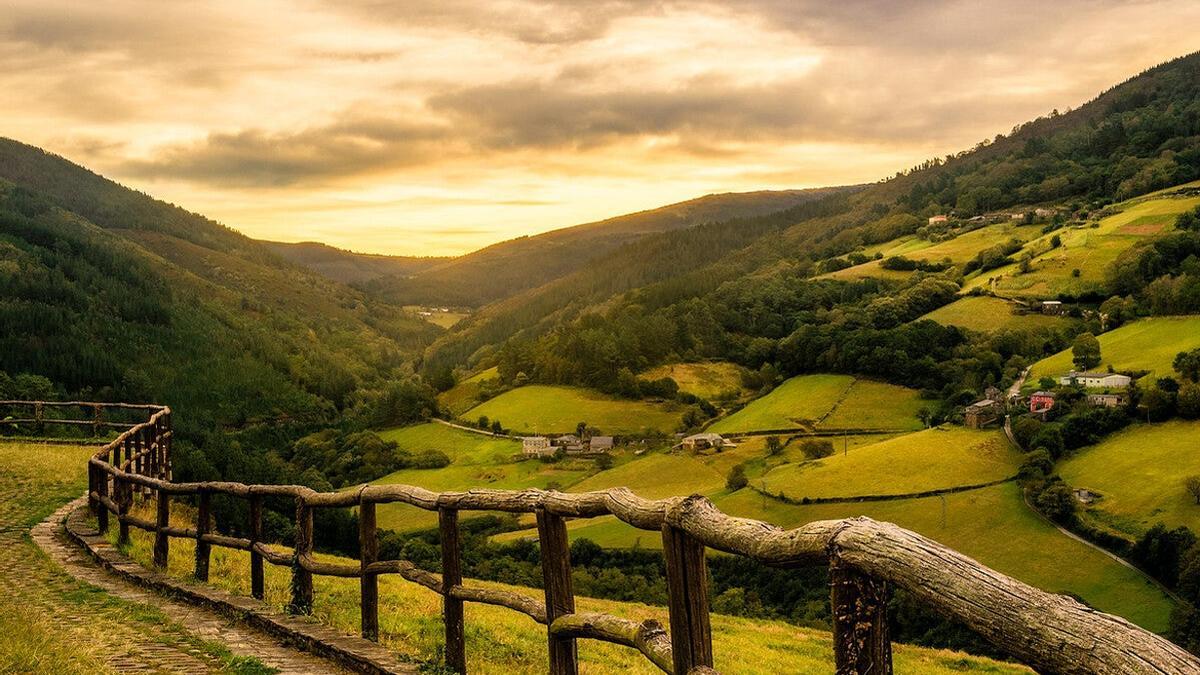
{"type": "Point", "coordinates": [510, 267]}
{"type": "Point", "coordinates": [109, 294]}
{"type": "Point", "coordinates": [753, 291]}
{"type": "Point", "coordinates": [347, 266]}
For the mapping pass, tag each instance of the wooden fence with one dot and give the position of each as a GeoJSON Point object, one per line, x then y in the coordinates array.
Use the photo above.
{"type": "Point", "coordinates": [1052, 633]}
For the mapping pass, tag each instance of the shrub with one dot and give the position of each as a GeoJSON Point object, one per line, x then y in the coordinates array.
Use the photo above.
{"type": "Point", "coordinates": [816, 448]}
{"type": "Point", "coordinates": [737, 478]}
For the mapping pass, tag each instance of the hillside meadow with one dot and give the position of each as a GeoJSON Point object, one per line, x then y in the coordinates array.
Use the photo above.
{"type": "Point", "coordinates": [464, 395]}
{"type": "Point", "coordinates": [1144, 345]}
{"type": "Point", "coordinates": [548, 409]}
{"type": "Point", "coordinates": [826, 401]}
{"type": "Point", "coordinates": [1139, 473]}
{"type": "Point", "coordinates": [927, 460]}
{"type": "Point", "coordinates": [501, 642]}
{"type": "Point", "coordinates": [1089, 248]}
{"type": "Point", "coordinates": [476, 460]}
{"type": "Point", "coordinates": [987, 314]}
{"type": "Point", "coordinates": [710, 380]}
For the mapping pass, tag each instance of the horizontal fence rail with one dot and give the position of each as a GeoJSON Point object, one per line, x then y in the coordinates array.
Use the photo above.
{"type": "Point", "coordinates": [867, 559]}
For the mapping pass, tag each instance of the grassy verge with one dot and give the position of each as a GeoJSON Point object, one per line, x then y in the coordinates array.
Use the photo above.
{"type": "Point", "coordinates": [502, 641]}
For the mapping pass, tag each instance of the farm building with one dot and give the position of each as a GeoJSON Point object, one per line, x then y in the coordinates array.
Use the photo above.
{"type": "Point", "coordinates": [1096, 380]}
{"type": "Point", "coordinates": [1107, 400]}
{"type": "Point", "coordinates": [934, 220]}
{"type": "Point", "coordinates": [1041, 401]}
{"type": "Point", "coordinates": [570, 442]}
{"type": "Point", "coordinates": [536, 446]}
{"type": "Point", "coordinates": [704, 441]}
{"type": "Point", "coordinates": [982, 413]}
{"type": "Point", "coordinates": [1052, 307]}
{"type": "Point", "coordinates": [600, 444]}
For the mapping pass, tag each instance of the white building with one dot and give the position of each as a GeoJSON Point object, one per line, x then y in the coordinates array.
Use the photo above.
{"type": "Point", "coordinates": [536, 446]}
{"type": "Point", "coordinates": [1096, 380]}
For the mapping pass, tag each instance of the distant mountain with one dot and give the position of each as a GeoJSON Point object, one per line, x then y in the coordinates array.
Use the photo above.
{"type": "Point", "coordinates": [504, 269]}
{"type": "Point", "coordinates": [113, 294]}
{"type": "Point", "coordinates": [347, 266]}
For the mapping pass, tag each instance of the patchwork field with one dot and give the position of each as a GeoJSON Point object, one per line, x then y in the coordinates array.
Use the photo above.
{"type": "Point", "coordinates": [927, 460]}
{"type": "Point", "coordinates": [987, 314]}
{"type": "Point", "coordinates": [1087, 249]}
{"type": "Point", "coordinates": [1139, 473]}
{"type": "Point", "coordinates": [1148, 344]}
{"type": "Point", "coordinates": [708, 380]}
{"type": "Point", "coordinates": [958, 250]}
{"type": "Point", "coordinates": [501, 641]}
{"type": "Point", "coordinates": [476, 461]}
{"type": "Point", "coordinates": [830, 401]}
{"type": "Point", "coordinates": [543, 409]}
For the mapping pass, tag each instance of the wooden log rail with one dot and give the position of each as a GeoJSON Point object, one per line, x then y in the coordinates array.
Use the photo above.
{"type": "Point", "coordinates": [867, 560]}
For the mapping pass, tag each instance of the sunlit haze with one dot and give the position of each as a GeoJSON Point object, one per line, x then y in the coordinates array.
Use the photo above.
{"type": "Point", "coordinates": [434, 128]}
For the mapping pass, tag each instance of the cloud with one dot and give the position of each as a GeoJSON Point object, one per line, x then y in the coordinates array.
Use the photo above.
{"type": "Point", "coordinates": [353, 145]}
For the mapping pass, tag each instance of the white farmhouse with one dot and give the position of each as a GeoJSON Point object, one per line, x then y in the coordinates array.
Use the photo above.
{"type": "Point", "coordinates": [1096, 380]}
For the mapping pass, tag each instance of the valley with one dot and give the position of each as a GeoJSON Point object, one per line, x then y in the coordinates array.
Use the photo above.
{"type": "Point", "coordinates": [997, 349]}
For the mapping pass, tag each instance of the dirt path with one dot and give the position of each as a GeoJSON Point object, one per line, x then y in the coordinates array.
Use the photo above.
{"type": "Point", "coordinates": [60, 614]}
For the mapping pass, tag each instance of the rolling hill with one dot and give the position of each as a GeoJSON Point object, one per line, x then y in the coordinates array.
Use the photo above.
{"type": "Point", "coordinates": [507, 268]}
{"type": "Point", "coordinates": [110, 293]}
{"type": "Point", "coordinates": [347, 266]}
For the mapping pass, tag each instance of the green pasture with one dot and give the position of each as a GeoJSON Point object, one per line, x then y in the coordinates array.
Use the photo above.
{"type": "Point", "coordinates": [708, 380]}
{"type": "Point", "coordinates": [545, 409]}
{"type": "Point", "coordinates": [1145, 345]}
{"type": "Point", "coordinates": [987, 314]}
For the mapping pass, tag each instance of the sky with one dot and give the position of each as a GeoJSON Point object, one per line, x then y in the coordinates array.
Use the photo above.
{"type": "Point", "coordinates": [440, 126]}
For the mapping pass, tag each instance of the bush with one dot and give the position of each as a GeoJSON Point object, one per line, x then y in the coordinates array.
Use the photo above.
{"type": "Point", "coordinates": [736, 480]}
{"type": "Point", "coordinates": [1057, 502]}
{"type": "Point", "coordinates": [814, 448]}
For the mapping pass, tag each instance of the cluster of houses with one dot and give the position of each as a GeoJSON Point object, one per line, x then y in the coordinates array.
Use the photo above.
{"type": "Point", "coordinates": [541, 446]}
{"type": "Point", "coordinates": [1106, 390]}
{"type": "Point", "coordinates": [995, 217]}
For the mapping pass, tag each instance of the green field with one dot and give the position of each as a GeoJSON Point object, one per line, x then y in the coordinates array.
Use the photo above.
{"type": "Point", "coordinates": [1148, 344]}
{"type": "Point", "coordinates": [501, 641]}
{"type": "Point", "coordinates": [708, 380]}
{"type": "Point", "coordinates": [831, 401]}
{"type": "Point", "coordinates": [987, 314]}
{"type": "Point", "coordinates": [1139, 473]}
{"type": "Point", "coordinates": [543, 409]}
{"type": "Point", "coordinates": [476, 461]}
{"type": "Point", "coordinates": [464, 395]}
{"type": "Point", "coordinates": [991, 525]}
{"type": "Point", "coordinates": [959, 249]}
{"type": "Point", "coordinates": [918, 462]}
{"type": "Point", "coordinates": [875, 405]}
{"type": "Point", "coordinates": [1086, 248]}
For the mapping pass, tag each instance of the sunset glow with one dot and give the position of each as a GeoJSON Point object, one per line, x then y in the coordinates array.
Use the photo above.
{"type": "Point", "coordinates": [436, 128]}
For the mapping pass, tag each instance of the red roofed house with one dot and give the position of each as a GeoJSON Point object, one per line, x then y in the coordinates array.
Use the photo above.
{"type": "Point", "coordinates": [1041, 401]}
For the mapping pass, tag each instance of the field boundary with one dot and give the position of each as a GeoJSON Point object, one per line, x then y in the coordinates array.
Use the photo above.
{"type": "Point", "coordinates": [805, 501]}
{"type": "Point", "coordinates": [305, 633]}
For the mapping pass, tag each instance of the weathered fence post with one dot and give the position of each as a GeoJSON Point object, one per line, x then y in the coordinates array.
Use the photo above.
{"type": "Point", "coordinates": [256, 535]}
{"type": "Point", "coordinates": [92, 480]}
{"type": "Point", "coordinates": [123, 493]}
{"type": "Point", "coordinates": [101, 492]}
{"type": "Point", "coordinates": [162, 542]}
{"type": "Point", "coordinates": [96, 416]}
{"type": "Point", "coordinates": [452, 608]}
{"type": "Point", "coordinates": [861, 643]}
{"type": "Point", "coordinates": [203, 527]}
{"type": "Point", "coordinates": [302, 588]}
{"type": "Point", "coordinates": [38, 413]}
{"type": "Point", "coordinates": [687, 599]}
{"type": "Point", "coordinates": [168, 436]}
{"type": "Point", "coordinates": [560, 600]}
{"type": "Point", "coordinates": [368, 547]}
